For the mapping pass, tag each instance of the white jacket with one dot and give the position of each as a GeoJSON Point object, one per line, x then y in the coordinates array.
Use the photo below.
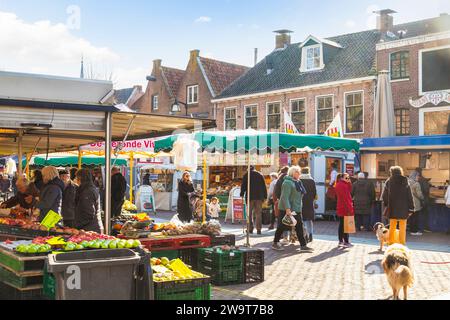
{"type": "Point", "coordinates": [447, 197]}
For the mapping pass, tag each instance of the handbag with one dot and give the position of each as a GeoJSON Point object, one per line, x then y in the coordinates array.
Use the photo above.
{"type": "Point", "coordinates": [289, 221]}
{"type": "Point", "coordinates": [349, 224]}
{"type": "Point", "coordinates": [331, 193]}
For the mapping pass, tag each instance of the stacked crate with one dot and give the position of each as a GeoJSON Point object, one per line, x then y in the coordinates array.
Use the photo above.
{"type": "Point", "coordinates": [253, 260]}
{"type": "Point", "coordinates": [224, 266]}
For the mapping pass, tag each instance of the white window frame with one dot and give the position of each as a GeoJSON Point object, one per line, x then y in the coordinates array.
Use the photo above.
{"type": "Point", "coordinates": [189, 88]}
{"type": "Point", "coordinates": [153, 102]}
{"type": "Point", "coordinates": [390, 71]}
{"type": "Point", "coordinates": [345, 112]}
{"type": "Point", "coordinates": [422, 116]}
{"type": "Point", "coordinates": [306, 113]}
{"type": "Point", "coordinates": [267, 113]}
{"type": "Point", "coordinates": [225, 117]}
{"type": "Point", "coordinates": [317, 110]}
{"type": "Point", "coordinates": [421, 92]}
{"type": "Point", "coordinates": [304, 64]}
{"type": "Point", "coordinates": [245, 115]}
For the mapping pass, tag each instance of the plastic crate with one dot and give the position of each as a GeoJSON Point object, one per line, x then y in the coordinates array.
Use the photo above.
{"type": "Point", "coordinates": [189, 257]}
{"type": "Point", "coordinates": [218, 259]}
{"type": "Point", "coordinates": [253, 265]}
{"type": "Point", "coordinates": [191, 290]}
{"type": "Point", "coordinates": [223, 239]}
{"type": "Point", "coordinates": [224, 276]}
{"type": "Point", "coordinates": [169, 254]}
{"type": "Point", "coordinates": [49, 285]}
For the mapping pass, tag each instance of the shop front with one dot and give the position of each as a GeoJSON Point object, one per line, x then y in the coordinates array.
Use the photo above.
{"type": "Point", "coordinates": [429, 153]}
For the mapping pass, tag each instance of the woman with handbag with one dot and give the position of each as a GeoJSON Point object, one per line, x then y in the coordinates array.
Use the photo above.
{"type": "Point", "coordinates": [292, 192]}
{"type": "Point", "coordinates": [398, 200]}
{"type": "Point", "coordinates": [309, 202]}
{"type": "Point", "coordinates": [344, 207]}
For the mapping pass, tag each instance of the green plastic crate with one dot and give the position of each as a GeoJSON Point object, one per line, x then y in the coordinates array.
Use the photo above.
{"type": "Point", "coordinates": [191, 290]}
{"type": "Point", "coordinates": [49, 286]}
{"type": "Point", "coordinates": [224, 277]}
{"type": "Point", "coordinates": [218, 259]}
{"type": "Point", "coordinates": [169, 254]}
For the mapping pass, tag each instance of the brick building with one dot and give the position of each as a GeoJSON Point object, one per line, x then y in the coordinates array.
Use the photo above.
{"type": "Point", "coordinates": [201, 81]}
{"type": "Point", "coordinates": [318, 78]}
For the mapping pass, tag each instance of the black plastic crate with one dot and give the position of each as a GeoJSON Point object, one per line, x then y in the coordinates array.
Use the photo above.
{"type": "Point", "coordinates": [223, 239]}
{"type": "Point", "coordinates": [253, 260]}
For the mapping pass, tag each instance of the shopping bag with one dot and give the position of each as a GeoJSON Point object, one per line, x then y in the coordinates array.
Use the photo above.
{"type": "Point", "coordinates": [331, 193]}
{"type": "Point", "coordinates": [349, 224]}
{"type": "Point", "coordinates": [289, 221]}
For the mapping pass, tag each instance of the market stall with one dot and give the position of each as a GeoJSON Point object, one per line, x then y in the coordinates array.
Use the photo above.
{"type": "Point", "coordinates": [429, 153]}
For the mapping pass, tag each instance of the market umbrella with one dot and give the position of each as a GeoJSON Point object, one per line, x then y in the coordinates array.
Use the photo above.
{"type": "Point", "coordinates": [383, 124]}
{"type": "Point", "coordinates": [252, 141]}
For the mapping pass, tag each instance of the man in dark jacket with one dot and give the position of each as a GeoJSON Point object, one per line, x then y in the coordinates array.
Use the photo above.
{"type": "Point", "coordinates": [118, 189]}
{"type": "Point", "coordinates": [425, 188]}
{"type": "Point", "coordinates": [50, 197]}
{"type": "Point", "coordinates": [26, 195]}
{"type": "Point", "coordinates": [363, 194]}
{"type": "Point", "coordinates": [68, 201]}
{"type": "Point", "coordinates": [258, 193]}
{"type": "Point", "coordinates": [309, 205]}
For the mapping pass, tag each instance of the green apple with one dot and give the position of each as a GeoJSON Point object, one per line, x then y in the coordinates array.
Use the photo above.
{"type": "Point", "coordinates": [113, 245]}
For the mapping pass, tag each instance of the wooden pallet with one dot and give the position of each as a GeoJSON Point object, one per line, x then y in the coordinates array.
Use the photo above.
{"type": "Point", "coordinates": [11, 292]}
{"type": "Point", "coordinates": [176, 242]}
{"type": "Point", "coordinates": [14, 262]}
{"type": "Point", "coordinates": [21, 279]}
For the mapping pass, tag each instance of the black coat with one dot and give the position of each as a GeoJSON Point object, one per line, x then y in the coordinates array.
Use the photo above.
{"type": "Point", "coordinates": [87, 209]}
{"type": "Point", "coordinates": [68, 202]}
{"type": "Point", "coordinates": [184, 205]}
{"type": "Point", "coordinates": [258, 189]}
{"type": "Point", "coordinates": [308, 211]}
{"type": "Point", "coordinates": [19, 198]}
{"type": "Point", "coordinates": [363, 194]}
{"type": "Point", "coordinates": [398, 198]}
{"type": "Point", "coordinates": [278, 185]}
{"type": "Point", "coordinates": [118, 187]}
{"type": "Point", "coordinates": [51, 198]}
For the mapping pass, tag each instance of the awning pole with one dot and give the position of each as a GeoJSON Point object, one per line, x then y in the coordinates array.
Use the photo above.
{"type": "Point", "coordinates": [20, 152]}
{"type": "Point", "coordinates": [108, 139]}
{"type": "Point", "coordinates": [80, 158]}
{"type": "Point", "coordinates": [204, 187]}
{"type": "Point", "coordinates": [131, 175]}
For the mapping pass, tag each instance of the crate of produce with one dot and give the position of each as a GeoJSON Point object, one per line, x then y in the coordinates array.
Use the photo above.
{"type": "Point", "coordinates": [253, 261]}
{"type": "Point", "coordinates": [223, 239]}
{"type": "Point", "coordinates": [218, 258]}
{"type": "Point", "coordinates": [170, 254]}
{"type": "Point", "coordinates": [223, 276]}
{"type": "Point", "coordinates": [164, 243]}
{"type": "Point", "coordinates": [191, 290]}
{"type": "Point", "coordinates": [21, 279]}
{"type": "Point", "coordinates": [190, 257]}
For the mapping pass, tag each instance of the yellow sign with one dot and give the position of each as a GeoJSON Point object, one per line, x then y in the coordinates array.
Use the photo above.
{"type": "Point", "coordinates": [56, 241]}
{"type": "Point", "coordinates": [51, 219]}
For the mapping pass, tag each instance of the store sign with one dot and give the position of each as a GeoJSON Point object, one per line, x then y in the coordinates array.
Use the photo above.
{"type": "Point", "coordinates": [350, 169]}
{"type": "Point", "coordinates": [147, 145]}
{"type": "Point", "coordinates": [238, 209]}
{"type": "Point", "coordinates": [431, 97]}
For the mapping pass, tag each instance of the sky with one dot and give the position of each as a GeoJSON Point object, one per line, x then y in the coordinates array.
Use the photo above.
{"type": "Point", "coordinates": [120, 39]}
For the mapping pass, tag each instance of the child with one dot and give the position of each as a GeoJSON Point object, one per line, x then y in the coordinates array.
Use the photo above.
{"type": "Point", "coordinates": [214, 208]}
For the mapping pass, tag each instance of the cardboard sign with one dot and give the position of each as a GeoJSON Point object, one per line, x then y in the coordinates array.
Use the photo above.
{"type": "Point", "coordinates": [51, 219]}
{"type": "Point", "coordinates": [238, 209]}
{"type": "Point", "coordinates": [56, 241]}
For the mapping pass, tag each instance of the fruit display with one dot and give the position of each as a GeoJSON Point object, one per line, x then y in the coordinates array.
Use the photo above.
{"type": "Point", "coordinates": [210, 228]}
{"type": "Point", "coordinates": [172, 270]}
{"type": "Point", "coordinates": [102, 244]}
{"type": "Point", "coordinates": [34, 248]}
{"type": "Point", "coordinates": [157, 227]}
{"type": "Point", "coordinates": [89, 236]}
{"type": "Point", "coordinates": [129, 206]}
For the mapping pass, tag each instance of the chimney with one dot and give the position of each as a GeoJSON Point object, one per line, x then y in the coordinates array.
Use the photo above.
{"type": "Point", "coordinates": [283, 38]}
{"type": "Point", "coordinates": [195, 54]}
{"type": "Point", "coordinates": [385, 21]}
{"type": "Point", "coordinates": [156, 64]}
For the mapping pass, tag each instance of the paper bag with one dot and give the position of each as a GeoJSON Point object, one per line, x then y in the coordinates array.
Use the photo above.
{"type": "Point", "coordinates": [349, 224]}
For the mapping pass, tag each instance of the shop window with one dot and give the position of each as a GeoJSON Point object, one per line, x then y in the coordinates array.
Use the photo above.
{"type": "Point", "coordinates": [324, 113]}
{"type": "Point", "coordinates": [251, 117]}
{"type": "Point", "coordinates": [435, 70]}
{"type": "Point", "coordinates": [400, 65]}
{"type": "Point", "coordinates": [436, 122]}
{"type": "Point", "coordinates": [298, 114]}
{"type": "Point", "coordinates": [354, 112]}
{"type": "Point", "coordinates": [230, 119]}
{"type": "Point", "coordinates": [402, 122]}
{"type": "Point", "coordinates": [273, 117]}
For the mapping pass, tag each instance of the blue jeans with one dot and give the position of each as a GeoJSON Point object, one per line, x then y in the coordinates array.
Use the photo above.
{"type": "Point", "coordinates": [309, 225]}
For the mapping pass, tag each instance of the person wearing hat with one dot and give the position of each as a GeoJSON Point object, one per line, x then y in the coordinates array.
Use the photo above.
{"type": "Point", "coordinates": [363, 194]}
{"type": "Point", "coordinates": [68, 201]}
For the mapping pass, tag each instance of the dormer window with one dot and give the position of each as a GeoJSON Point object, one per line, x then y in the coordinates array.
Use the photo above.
{"type": "Point", "coordinates": [313, 57]}
{"type": "Point", "coordinates": [313, 53]}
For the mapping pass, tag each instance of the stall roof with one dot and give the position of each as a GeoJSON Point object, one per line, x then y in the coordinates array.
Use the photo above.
{"type": "Point", "coordinates": [406, 144]}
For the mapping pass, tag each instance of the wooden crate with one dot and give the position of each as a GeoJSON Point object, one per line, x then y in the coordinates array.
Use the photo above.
{"type": "Point", "coordinates": [8, 292]}
{"type": "Point", "coordinates": [21, 279]}
{"type": "Point", "coordinates": [15, 262]}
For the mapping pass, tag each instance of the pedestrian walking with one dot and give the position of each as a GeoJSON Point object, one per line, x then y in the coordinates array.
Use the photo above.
{"type": "Point", "coordinates": [363, 194]}
{"type": "Point", "coordinates": [185, 189]}
{"type": "Point", "coordinates": [118, 189]}
{"type": "Point", "coordinates": [424, 220]}
{"type": "Point", "coordinates": [270, 199]}
{"type": "Point", "coordinates": [309, 202]}
{"type": "Point", "coordinates": [258, 194]}
{"type": "Point", "coordinates": [399, 203]}
{"type": "Point", "coordinates": [68, 199]}
{"type": "Point", "coordinates": [292, 192]}
{"type": "Point", "coordinates": [276, 197]}
{"type": "Point", "coordinates": [87, 203]}
{"type": "Point", "coordinates": [51, 194]}
{"type": "Point", "coordinates": [418, 198]}
{"type": "Point", "coordinates": [344, 206]}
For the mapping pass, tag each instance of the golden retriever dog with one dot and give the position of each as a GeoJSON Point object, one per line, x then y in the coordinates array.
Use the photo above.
{"type": "Point", "coordinates": [397, 267]}
{"type": "Point", "coordinates": [382, 233]}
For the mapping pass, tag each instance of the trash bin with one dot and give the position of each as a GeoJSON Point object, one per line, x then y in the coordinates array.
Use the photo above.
{"type": "Point", "coordinates": [95, 275]}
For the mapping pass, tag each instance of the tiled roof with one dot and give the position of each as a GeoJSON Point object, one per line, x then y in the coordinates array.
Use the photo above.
{"type": "Point", "coordinates": [173, 77]}
{"type": "Point", "coordinates": [123, 95]}
{"type": "Point", "coordinates": [355, 60]}
{"type": "Point", "coordinates": [221, 74]}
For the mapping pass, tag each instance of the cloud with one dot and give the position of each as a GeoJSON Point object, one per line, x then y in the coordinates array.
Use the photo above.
{"type": "Point", "coordinates": [203, 19]}
{"type": "Point", "coordinates": [350, 24]}
{"type": "Point", "coordinates": [49, 48]}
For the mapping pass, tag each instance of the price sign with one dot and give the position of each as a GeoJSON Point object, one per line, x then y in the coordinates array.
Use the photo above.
{"type": "Point", "coordinates": [56, 241]}
{"type": "Point", "coordinates": [51, 219]}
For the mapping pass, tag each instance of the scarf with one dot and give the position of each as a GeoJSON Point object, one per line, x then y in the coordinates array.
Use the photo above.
{"type": "Point", "coordinates": [299, 186]}
{"type": "Point", "coordinates": [306, 176]}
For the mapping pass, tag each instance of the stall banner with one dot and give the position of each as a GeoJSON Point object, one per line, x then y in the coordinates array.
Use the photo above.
{"type": "Point", "coordinates": [238, 209]}
{"type": "Point", "coordinates": [335, 128]}
{"type": "Point", "coordinates": [51, 219]}
{"type": "Point", "coordinates": [289, 126]}
{"type": "Point", "coordinates": [146, 145]}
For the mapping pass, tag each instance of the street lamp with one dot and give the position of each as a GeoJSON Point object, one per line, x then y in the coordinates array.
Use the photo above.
{"type": "Point", "coordinates": [176, 107]}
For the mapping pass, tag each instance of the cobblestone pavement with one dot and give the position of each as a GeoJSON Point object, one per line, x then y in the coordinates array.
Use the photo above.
{"type": "Point", "coordinates": [330, 273]}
